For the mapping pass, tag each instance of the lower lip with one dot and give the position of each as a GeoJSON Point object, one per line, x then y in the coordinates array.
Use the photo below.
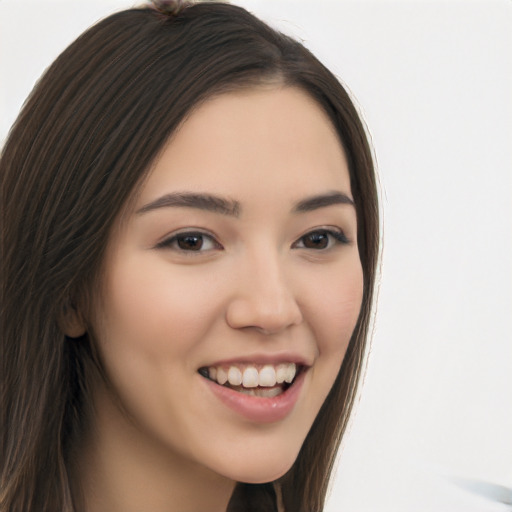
{"type": "Point", "coordinates": [259, 409]}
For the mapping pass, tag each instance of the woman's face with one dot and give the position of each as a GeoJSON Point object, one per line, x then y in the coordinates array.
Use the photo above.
{"type": "Point", "coordinates": [239, 260]}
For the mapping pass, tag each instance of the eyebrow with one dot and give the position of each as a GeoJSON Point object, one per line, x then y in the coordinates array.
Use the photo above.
{"type": "Point", "coordinates": [321, 201]}
{"type": "Point", "coordinates": [201, 201]}
{"type": "Point", "coordinates": [232, 208]}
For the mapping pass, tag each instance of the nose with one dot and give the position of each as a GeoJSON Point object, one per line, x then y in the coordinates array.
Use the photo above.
{"type": "Point", "coordinates": [263, 299]}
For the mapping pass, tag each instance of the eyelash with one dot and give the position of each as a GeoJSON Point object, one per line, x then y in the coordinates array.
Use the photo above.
{"type": "Point", "coordinates": [173, 241]}
{"type": "Point", "coordinates": [334, 237]}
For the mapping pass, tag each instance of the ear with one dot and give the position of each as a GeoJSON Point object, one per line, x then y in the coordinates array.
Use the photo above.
{"type": "Point", "coordinates": [71, 322]}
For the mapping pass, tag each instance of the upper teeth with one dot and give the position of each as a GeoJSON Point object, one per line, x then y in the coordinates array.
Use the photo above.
{"type": "Point", "coordinates": [252, 376]}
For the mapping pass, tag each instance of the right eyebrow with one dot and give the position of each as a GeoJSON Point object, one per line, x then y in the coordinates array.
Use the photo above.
{"type": "Point", "coordinates": [200, 201]}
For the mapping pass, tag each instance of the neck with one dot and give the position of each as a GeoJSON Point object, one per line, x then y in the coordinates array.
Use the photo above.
{"type": "Point", "coordinates": [121, 469]}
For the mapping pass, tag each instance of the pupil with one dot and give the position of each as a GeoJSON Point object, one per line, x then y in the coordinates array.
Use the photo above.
{"type": "Point", "coordinates": [190, 242]}
{"type": "Point", "coordinates": [316, 241]}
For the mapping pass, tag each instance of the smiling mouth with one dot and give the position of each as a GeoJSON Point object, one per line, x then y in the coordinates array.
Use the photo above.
{"type": "Point", "coordinates": [264, 381]}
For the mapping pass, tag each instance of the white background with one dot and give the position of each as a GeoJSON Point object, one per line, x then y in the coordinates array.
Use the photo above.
{"type": "Point", "coordinates": [434, 83]}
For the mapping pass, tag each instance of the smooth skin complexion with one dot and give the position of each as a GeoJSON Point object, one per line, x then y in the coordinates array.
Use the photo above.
{"type": "Point", "coordinates": [239, 248]}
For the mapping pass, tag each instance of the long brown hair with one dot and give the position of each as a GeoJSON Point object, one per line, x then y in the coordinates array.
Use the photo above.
{"type": "Point", "coordinates": [80, 147]}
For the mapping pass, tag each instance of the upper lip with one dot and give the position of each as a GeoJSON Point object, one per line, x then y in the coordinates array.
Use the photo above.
{"type": "Point", "coordinates": [264, 358]}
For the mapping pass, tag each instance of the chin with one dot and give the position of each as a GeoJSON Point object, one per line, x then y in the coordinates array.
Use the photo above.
{"type": "Point", "coordinates": [261, 469]}
{"type": "Point", "coordinates": [263, 476]}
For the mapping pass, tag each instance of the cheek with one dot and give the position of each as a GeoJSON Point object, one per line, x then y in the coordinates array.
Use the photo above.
{"type": "Point", "coordinates": [335, 309]}
{"type": "Point", "coordinates": [150, 327]}
{"type": "Point", "coordinates": [151, 323]}
{"type": "Point", "coordinates": [156, 309]}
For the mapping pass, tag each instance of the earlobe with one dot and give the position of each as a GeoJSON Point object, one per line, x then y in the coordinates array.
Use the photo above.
{"type": "Point", "coordinates": [71, 322]}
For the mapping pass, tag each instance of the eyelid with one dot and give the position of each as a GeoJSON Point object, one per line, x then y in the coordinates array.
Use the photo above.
{"type": "Point", "coordinates": [336, 233]}
{"type": "Point", "coordinates": [166, 243]}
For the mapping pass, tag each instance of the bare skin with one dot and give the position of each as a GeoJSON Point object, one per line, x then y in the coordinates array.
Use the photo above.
{"type": "Point", "coordinates": [143, 477]}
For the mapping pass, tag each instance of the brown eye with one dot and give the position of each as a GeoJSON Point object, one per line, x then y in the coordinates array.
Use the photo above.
{"type": "Point", "coordinates": [321, 239]}
{"type": "Point", "coordinates": [316, 240]}
{"type": "Point", "coordinates": [190, 242]}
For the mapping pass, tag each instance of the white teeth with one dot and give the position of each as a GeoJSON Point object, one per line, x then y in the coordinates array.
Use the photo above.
{"type": "Point", "coordinates": [269, 392]}
{"type": "Point", "coordinates": [281, 373]}
{"type": "Point", "coordinates": [250, 377]}
{"type": "Point", "coordinates": [234, 376]}
{"type": "Point", "coordinates": [290, 374]}
{"type": "Point", "coordinates": [262, 392]}
{"type": "Point", "coordinates": [250, 392]}
{"type": "Point", "coordinates": [267, 376]}
{"type": "Point", "coordinates": [222, 376]}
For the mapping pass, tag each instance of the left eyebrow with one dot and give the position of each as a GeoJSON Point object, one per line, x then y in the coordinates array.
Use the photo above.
{"type": "Point", "coordinates": [321, 201]}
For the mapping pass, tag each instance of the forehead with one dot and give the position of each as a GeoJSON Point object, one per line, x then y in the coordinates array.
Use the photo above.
{"type": "Point", "coordinates": [265, 138]}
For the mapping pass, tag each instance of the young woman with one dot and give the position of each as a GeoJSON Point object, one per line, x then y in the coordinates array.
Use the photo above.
{"type": "Point", "coordinates": [189, 243]}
